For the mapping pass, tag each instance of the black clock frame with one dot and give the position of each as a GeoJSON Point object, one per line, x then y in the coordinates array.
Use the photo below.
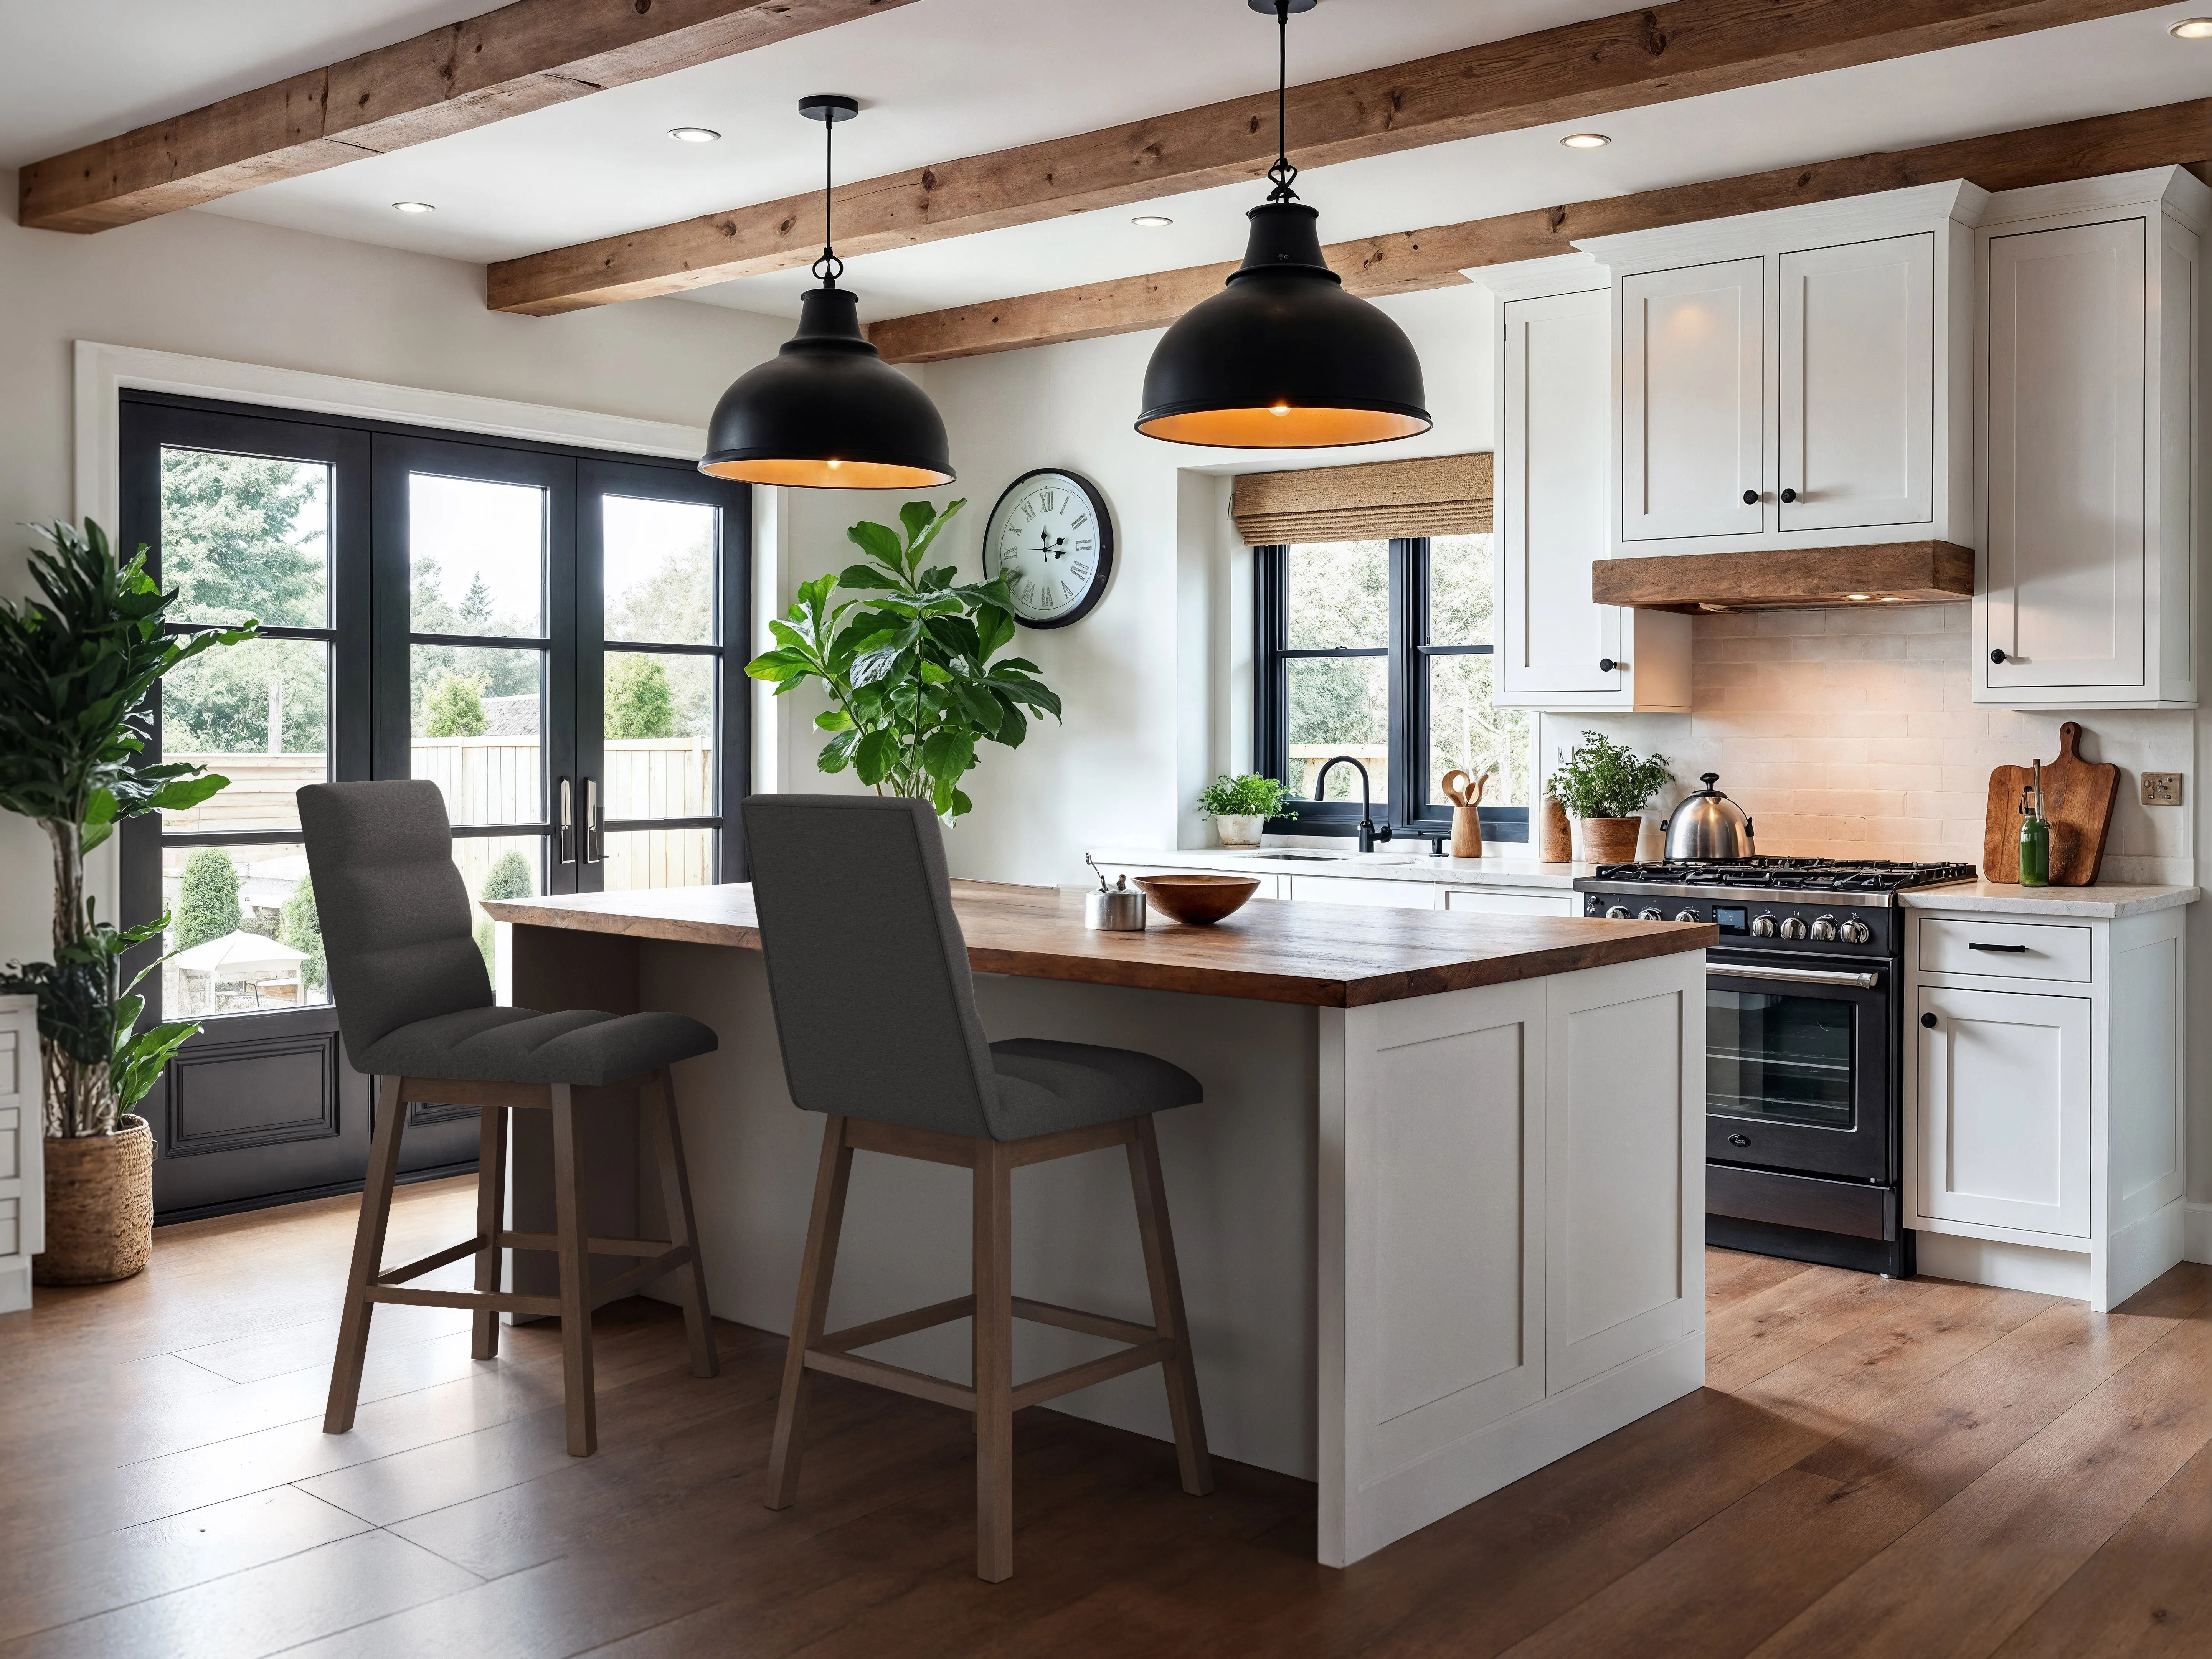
{"type": "Point", "coordinates": [1099, 510]}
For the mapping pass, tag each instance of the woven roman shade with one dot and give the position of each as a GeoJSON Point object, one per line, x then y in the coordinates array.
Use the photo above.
{"type": "Point", "coordinates": [1441, 495]}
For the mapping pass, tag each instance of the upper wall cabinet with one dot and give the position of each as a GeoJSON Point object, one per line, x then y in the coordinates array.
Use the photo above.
{"type": "Point", "coordinates": [1798, 378]}
{"type": "Point", "coordinates": [1556, 648]}
{"type": "Point", "coordinates": [2086, 335]}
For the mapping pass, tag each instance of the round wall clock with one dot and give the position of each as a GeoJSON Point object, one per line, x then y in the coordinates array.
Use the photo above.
{"type": "Point", "coordinates": [1051, 538]}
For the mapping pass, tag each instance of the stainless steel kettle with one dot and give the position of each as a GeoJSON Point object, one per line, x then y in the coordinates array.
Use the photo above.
{"type": "Point", "coordinates": [1708, 825]}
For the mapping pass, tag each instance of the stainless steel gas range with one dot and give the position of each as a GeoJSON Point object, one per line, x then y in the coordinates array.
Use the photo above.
{"type": "Point", "coordinates": [1803, 1102]}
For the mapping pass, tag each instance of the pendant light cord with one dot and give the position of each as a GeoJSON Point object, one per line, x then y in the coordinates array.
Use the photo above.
{"type": "Point", "coordinates": [1282, 173]}
{"type": "Point", "coordinates": [829, 267]}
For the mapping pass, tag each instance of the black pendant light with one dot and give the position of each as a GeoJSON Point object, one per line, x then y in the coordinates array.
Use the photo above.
{"type": "Point", "coordinates": [1283, 358]}
{"type": "Point", "coordinates": [826, 412]}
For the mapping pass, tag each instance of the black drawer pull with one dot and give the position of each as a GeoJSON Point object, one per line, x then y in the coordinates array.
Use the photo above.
{"type": "Point", "coordinates": [1738, 1140]}
{"type": "Point", "coordinates": [2001, 950]}
{"type": "Point", "coordinates": [1929, 1020]}
{"type": "Point", "coordinates": [1751, 498]}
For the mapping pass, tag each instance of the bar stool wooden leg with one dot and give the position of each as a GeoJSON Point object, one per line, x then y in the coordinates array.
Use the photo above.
{"type": "Point", "coordinates": [491, 1212]}
{"type": "Point", "coordinates": [815, 1272]}
{"type": "Point", "coordinates": [994, 1362]}
{"type": "Point", "coordinates": [574, 1236]}
{"type": "Point", "coordinates": [1194, 1465]}
{"type": "Point", "coordinates": [683, 1228]}
{"type": "Point", "coordinates": [367, 1258]}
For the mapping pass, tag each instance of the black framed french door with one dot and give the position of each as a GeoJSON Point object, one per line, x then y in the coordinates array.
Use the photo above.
{"type": "Point", "coordinates": [553, 635]}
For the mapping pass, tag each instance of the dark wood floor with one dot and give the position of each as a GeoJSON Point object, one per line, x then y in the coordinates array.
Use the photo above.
{"type": "Point", "coordinates": [1903, 1470]}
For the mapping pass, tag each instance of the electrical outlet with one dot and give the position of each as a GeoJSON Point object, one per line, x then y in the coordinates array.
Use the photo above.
{"type": "Point", "coordinates": [2162, 788]}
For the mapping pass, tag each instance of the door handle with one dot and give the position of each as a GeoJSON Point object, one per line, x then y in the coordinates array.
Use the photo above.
{"type": "Point", "coordinates": [1789, 495]}
{"type": "Point", "coordinates": [1793, 976]}
{"type": "Point", "coordinates": [1606, 665]}
{"type": "Point", "coordinates": [591, 839]}
{"type": "Point", "coordinates": [1998, 950]}
{"type": "Point", "coordinates": [1751, 498]}
{"type": "Point", "coordinates": [1998, 656]}
{"type": "Point", "coordinates": [568, 822]}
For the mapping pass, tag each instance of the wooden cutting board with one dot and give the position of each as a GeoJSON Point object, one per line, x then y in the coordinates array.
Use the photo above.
{"type": "Point", "coordinates": [2078, 797]}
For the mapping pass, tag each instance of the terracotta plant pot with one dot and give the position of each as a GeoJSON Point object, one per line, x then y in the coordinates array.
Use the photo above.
{"type": "Point", "coordinates": [1239, 829]}
{"type": "Point", "coordinates": [1610, 841]}
{"type": "Point", "coordinates": [99, 1206]}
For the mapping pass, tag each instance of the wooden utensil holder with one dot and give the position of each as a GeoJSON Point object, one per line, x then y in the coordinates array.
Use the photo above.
{"type": "Point", "coordinates": [1467, 832]}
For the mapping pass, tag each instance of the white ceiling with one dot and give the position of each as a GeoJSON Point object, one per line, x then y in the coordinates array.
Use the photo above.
{"type": "Point", "coordinates": [940, 79]}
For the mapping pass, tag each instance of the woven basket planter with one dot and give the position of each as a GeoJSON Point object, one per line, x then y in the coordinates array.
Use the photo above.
{"type": "Point", "coordinates": [99, 1206]}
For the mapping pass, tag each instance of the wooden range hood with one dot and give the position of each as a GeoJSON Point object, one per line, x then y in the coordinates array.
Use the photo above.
{"type": "Point", "coordinates": [1910, 573]}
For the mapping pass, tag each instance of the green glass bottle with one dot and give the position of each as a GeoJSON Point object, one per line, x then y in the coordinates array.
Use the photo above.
{"type": "Point", "coordinates": [2034, 837]}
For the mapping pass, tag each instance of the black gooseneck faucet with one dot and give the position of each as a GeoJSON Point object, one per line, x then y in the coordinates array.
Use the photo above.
{"type": "Point", "coordinates": [1368, 835]}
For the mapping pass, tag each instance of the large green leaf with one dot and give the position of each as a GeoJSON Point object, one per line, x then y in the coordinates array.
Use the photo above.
{"type": "Point", "coordinates": [880, 543]}
{"type": "Point", "coordinates": [876, 754]}
{"type": "Point", "coordinates": [946, 753]}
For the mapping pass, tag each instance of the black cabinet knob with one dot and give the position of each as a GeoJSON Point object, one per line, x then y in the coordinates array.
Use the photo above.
{"type": "Point", "coordinates": [1789, 495]}
{"type": "Point", "coordinates": [1996, 656]}
{"type": "Point", "coordinates": [1751, 498]}
{"type": "Point", "coordinates": [1738, 1140]}
{"type": "Point", "coordinates": [1606, 665]}
{"type": "Point", "coordinates": [1929, 1020]}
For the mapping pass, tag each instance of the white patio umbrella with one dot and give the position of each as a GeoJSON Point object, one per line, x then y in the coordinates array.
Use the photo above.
{"type": "Point", "coordinates": [239, 956]}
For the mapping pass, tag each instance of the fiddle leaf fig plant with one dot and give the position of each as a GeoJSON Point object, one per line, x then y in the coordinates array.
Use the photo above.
{"type": "Point", "coordinates": [913, 667]}
{"type": "Point", "coordinates": [75, 670]}
{"type": "Point", "coordinates": [1599, 778]}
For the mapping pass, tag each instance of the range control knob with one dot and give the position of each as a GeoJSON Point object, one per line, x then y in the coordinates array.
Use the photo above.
{"type": "Point", "coordinates": [1824, 929]}
{"type": "Point", "coordinates": [1686, 914]}
{"type": "Point", "coordinates": [1762, 926]}
{"type": "Point", "coordinates": [1616, 913]}
{"type": "Point", "coordinates": [1649, 912]}
{"type": "Point", "coordinates": [1792, 928]}
{"type": "Point", "coordinates": [1855, 931]}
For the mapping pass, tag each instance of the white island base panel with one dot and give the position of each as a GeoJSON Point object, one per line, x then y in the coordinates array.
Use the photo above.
{"type": "Point", "coordinates": [1427, 1246]}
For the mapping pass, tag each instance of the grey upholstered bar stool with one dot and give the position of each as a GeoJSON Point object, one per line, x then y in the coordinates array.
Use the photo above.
{"type": "Point", "coordinates": [415, 1008]}
{"type": "Point", "coordinates": [876, 1011]}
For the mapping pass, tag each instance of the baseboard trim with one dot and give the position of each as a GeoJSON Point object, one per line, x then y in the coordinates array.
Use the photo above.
{"type": "Point", "coordinates": [302, 1195]}
{"type": "Point", "coordinates": [2197, 1233]}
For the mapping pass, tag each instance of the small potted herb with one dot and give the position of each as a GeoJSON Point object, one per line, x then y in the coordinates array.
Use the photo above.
{"type": "Point", "coordinates": [1606, 785]}
{"type": "Point", "coordinates": [1240, 806]}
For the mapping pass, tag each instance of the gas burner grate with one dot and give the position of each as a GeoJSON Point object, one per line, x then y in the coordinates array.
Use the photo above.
{"type": "Point", "coordinates": [1788, 874]}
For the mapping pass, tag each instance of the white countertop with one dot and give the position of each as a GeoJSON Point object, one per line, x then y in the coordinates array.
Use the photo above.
{"type": "Point", "coordinates": [1390, 863]}
{"type": "Point", "coordinates": [2103, 903]}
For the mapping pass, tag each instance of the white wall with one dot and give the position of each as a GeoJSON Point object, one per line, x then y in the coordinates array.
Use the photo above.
{"type": "Point", "coordinates": [225, 287]}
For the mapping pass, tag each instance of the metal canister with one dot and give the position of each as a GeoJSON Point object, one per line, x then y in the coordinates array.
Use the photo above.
{"type": "Point", "coordinates": [1115, 910]}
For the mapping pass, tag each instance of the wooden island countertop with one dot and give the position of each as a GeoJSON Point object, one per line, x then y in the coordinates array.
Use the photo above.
{"type": "Point", "coordinates": [1330, 955]}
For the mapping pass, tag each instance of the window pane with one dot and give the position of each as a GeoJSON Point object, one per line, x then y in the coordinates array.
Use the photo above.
{"type": "Point", "coordinates": [478, 554]}
{"type": "Point", "coordinates": [246, 537]}
{"type": "Point", "coordinates": [257, 714]}
{"type": "Point", "coordinates": [479, 731]}
{"type": "Point", "coordinates": [498, 867]}
{"type": "Point", "coordinates": [638, 858]}
{"type": "Point", "coordinates": [1466, 733]}
{"type": "Point", "coordinates": [659, 736]}
{"type": "Point", "coordinates": [659, 570]}
{"type": "Point", "coordinates": [1339, 594]}
{"type": "Point", "coordinates": [1459, 607]}
{"type": "Point", "coordinates": [243, 936]}
{"type": "Point", "coordinates": [1340, 706]}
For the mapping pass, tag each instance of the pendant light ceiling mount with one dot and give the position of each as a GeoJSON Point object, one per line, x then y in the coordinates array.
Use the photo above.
{"type": "Point", "coordinates": [1283, 358]}
{"type": "Point", "coordinates": [826, 412]}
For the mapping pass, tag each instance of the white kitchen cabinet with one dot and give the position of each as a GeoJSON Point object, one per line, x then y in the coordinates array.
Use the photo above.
{"type": "Point", "coordinates": [1796, 378]}
{"type": "Point", "coordinates": [1363, 890]}
{"type": "Point", "coordinates": [2045, 1109]}
{"type": "Point", "coordinates": [22, 1150]}
{"type": "Point", "coordinates": [1509, 900]}
{"type": "Point", "coordinates": [2087, 341]}
{"type": "Point", "coordinates": [1557, 650]}
{"type": "Point", "coordinates": [1693, 401]}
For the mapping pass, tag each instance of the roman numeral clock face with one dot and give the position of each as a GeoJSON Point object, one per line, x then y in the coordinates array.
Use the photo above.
{"type": "Point", "coordinates": [1050, 537]}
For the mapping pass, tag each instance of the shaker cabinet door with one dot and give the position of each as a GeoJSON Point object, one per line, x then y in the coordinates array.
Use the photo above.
{"type": "Point", "coordinates": [1693, 402]}
{"type": "Point", "coordinates": [2004, 1109]}
{"type": "Point", "coordinates": [1856, 384]}
{"type": "Point", "coordinates": [1551, 497]}
{"type": "Point", "coordinates": [2065, 548]}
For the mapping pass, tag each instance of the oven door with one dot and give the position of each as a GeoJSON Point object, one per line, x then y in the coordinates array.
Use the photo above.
{"type": "Point", "coordinates": [1797, 1064]}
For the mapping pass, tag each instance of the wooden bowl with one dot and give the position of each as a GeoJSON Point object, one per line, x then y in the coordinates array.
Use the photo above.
{"type": "Point", "coordinates": [1198, 900]}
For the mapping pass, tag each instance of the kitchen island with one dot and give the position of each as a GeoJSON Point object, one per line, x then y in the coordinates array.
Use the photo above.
{"type": "Point", "coordinates": [1438, 1217]}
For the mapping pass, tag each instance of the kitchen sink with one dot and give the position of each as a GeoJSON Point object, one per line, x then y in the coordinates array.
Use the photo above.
{"type": "Point", "coordinates": [1326, 857]}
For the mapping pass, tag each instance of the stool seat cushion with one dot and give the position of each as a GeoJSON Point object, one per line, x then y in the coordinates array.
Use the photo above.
{"type": "Point", "coordinates": [1045, 1087]}
{"type": "Point", "coordinates": [580, 1047]}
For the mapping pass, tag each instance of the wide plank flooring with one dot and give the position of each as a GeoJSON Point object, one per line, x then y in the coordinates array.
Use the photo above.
{"type": "Point", "coordinates": [1914, 1468]}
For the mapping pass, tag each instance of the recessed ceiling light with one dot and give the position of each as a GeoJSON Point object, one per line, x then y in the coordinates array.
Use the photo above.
{"type": "Point", "coordinates": [1151, 221]}
{"type": "Point", "coordinates": [693, 135]}
{"type": "Point", "coordinates": [414, 207]}
{"type": "Point", "coordinates": [2192, 28]}
{"type": "Point", "coordinates": [1585, 141]}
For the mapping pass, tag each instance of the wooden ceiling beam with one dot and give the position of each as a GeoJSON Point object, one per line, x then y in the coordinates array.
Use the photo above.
{"type": "Point", "coordinates": [521, 58]}
{"type": "Point", "coordinates": [1650, 56]}
{"type": "Point", "coordinates": [1413, 260]}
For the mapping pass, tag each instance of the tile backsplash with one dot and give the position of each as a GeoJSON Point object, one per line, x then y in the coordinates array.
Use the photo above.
{"type": "Point", "coordinates": [1851, 732]}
